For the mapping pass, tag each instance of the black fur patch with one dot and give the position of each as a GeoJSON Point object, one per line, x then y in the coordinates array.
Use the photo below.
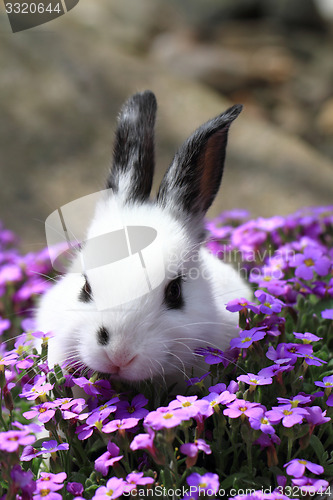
{"type": "Point", "coordinates": [85, 293]}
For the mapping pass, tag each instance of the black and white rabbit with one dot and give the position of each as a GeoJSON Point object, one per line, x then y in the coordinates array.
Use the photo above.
{"type": "Point", "coordinates": [105, 317]}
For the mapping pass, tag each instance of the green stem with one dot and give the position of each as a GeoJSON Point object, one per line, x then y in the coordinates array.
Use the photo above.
{"type": "Point", "coordinates": [1, 417]}
{"type": "Point", "coordinates": [249, 455]}
{"type": "Point", "coordinates": [290, 447]}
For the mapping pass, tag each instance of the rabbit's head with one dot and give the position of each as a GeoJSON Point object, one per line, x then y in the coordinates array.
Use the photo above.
{"type": "Point", "coordinates": [148, 292]}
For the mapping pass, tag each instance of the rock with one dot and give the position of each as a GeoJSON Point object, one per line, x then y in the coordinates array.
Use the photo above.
{"type": "Point", "coordinates": [325, 118]}
{"type": "Point", "coordinates": [61, 87]}
{"type": "Point", "coordinates": [224, 68]}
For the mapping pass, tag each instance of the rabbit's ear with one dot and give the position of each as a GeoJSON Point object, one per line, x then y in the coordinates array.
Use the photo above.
{"type": "Point", "coordinates": [193, 178]}
{"type": "Point", "coordinates": [132, 171]}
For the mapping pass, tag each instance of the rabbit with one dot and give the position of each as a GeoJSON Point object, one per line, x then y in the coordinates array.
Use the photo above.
{"type": "Point", "coordinates": [105, 317]}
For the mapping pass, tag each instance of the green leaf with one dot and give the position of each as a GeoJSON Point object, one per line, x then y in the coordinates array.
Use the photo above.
{"type": "Point", "coordinates": [318, 448]}
{"type": "Point", "coordinates": [229, 481]}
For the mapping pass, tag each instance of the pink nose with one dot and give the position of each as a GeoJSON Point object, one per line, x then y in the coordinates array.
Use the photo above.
{"type": "Point", "coordinates": [123, 362]}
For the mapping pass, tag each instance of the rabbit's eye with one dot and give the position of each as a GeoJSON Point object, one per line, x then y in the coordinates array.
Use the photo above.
{"type": "Point", "coordinates": [173, 294]}
{"type": "Point", "coordinates": [103, 336]}
{"type": "Point", "coordinates": [85, 293]}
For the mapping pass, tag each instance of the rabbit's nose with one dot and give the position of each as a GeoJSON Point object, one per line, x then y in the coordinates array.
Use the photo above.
{"type": "Point", "coordinates": [122, 361]}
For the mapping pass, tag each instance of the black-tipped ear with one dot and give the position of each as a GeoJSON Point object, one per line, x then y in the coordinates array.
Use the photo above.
{"type": "Point", "coordinates": [131, 175]}
{"type": "Point", "coordinates": [194, 177]}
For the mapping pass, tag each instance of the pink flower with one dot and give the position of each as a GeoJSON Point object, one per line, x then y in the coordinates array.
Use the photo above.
{"type": "Point", "coordinates": [165, 418]}
{"type": "Point", "coordinates": [10, 441]}
{"type": "Point", "coordinates": [297, 466]}
{"type": "Point", "coordinates": [135, 479]}
{"type": "Point", "coordinates": [191, 405]}
{"type": "Point", "coordinates": [215, 399]}
{"type": "Point", "coordinates": [114, 488]}
{"type": "Point", "coordinates": [38, 390]}
{"type": "Point", "coordinates": [289, 415]}
{"type": "Point", "coordinates": [192, 449]}
{"type": "Point", "coordinates": [44, 412]}
{"type": "Point", "coordinates": [252, 379]}
{"type": "Point", "coordinates": [110, 457]}
{"type": "Point", "coordinates": [241, 407]}
{"type": "Point", "coordinates": [116, 425]}
{"type": "Point", "coordinates": [144, 441]}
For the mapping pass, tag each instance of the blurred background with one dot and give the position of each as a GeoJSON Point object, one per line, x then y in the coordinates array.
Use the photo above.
{"type": "Point", "coordinates": [62, 83]}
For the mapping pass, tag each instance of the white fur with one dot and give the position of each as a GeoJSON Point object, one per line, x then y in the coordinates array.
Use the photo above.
{"type": "Point", "coordinates": [147, 339]}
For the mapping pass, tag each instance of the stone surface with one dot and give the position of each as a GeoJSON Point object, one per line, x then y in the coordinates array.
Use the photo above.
{"type": "Point", "coordinates": [61, 86]}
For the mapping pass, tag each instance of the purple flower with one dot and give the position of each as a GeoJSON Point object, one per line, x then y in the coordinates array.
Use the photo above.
{"type": "Point", "coordinates": [89, 386]}
{"type": "Point", "coordinates": [135, 479]}
{"type": "Point", "coordinates": [117, 425]}
{"type": "Point", "coordinates": [316, 416]}
{"type": "Point", "coordinates": [135, 409]}
{"type": "Point", "coordinates": [307, 337]}
{"type": "Point", "coordinates": [44, 412]}
{"type": "Point", "coordinates": [10, 441]}
{"type": "Point", "coordinates": [290, 416]}
{"type": "Point", "coordinates": [143, 441]}
{"type": "Point", "coordinates": [165, 418]}
{"type": "Point", "coordinates": [46, 493]}
{"type": "Point", "coordinates": [48, 484]}
{"type": "Point", "coordinates": [75, 488]}
{"type": "Point", "coordinates": [297, 466]}
{"type": "Point", "coordinates": [266, 441]}
{"type": "Point", "coordinates": [300, 399]}
{"type": "Point", "coordinates": [196, 380]}
{"type": "Point", "coordinates": [247, 337]}
{"type": "Point", "coordinates": [38, 390]}
{"type": "Point", "coordinates": [327, 382]}
{"type": "Point", "coordinates": [49, 477]}
{"type": "Point", "coordinates": [327, 314]}
{"type": "Point", "coordinates": [256, 495]}
{"type": "Point", "coordinates": [114, 488]}
{"type": "Point", "coordinates": [313, 360]}
{"type": "Point", "coordinates": [110, 457]}
{"type": "Point", "coordinates": [192, 449]}
{"type": "Point", "coordinates": [212, 356]}
{"type": "Point", "coordinates": [288, 353]}
{"type": "Point", "coordinates": [71, 408]}
{"type": "Point", "coordinates": [329, 401]}
{"type": "Point", "coordinates": [268, 303]}
{"type": "Point", "coordinates": [271, 280]}
{"type": "Point", "coordinates": [274, 370]}
{"type": "Point", "coordinates": [32, 428]}
{"type": "Point", "coordinates": [96, 420]}
{"type": "Point", "coordinates": [47, 447]}
{"type": "Point", "coordinates": [215, 399]}
{"type": "Point", "coordinates": [218, 388]}
{"type": "Point", "coordinates": [10, 274]}
{"type": "Point", "coordinates": [311, 485]}
{"type": "Point", "coordinates": [4, 325]}
{"type": "Point", "coordinates": [254, 380]}
{"type": "Point", "coordinates": [262, 422]}
{"type": "Point", "coordinates": [312, 260]}
{"type": "Point", "coordinates": [240, 407]}
{"type": "Point", "coordinates": [206, 484]}
{"type": "Point", "coordinates": [28, 453]}
{"type": "Point", "coordinates": [24, 480]}
{"type": "Point", "coordinates": [236, 305]}
{"type": "Point", "coordinates": [9, 359]}
{"type": "Point", "coordinates": [191, 405]}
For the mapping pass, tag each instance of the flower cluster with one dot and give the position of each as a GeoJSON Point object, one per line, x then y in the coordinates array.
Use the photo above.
{"type": "Point", "coordinates": [260, 418]}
